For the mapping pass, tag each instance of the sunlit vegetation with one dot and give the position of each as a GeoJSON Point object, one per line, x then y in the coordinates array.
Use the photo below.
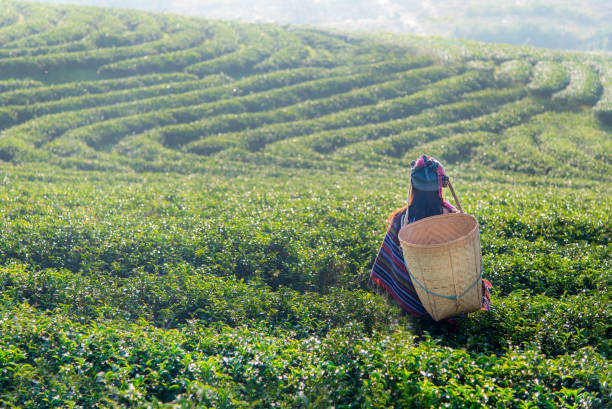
{"type": "Point", "coordinates": [190, 210]}
{"type": "Point", "coordinates": [603, 108]}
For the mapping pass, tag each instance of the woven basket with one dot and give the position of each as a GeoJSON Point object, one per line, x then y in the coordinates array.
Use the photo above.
{"type": "Point", "coordinates": [442, 254]}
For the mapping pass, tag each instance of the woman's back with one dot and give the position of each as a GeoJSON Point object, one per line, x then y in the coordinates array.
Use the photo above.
{"type": "Point", "coordinates": [389, 270]}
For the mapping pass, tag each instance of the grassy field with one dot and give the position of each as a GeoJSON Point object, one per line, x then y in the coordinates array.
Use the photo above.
{"type": "Point", "coordinates": [190, 210]}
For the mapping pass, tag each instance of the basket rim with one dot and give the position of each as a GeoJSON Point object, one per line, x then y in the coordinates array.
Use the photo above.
{"type": "Point", "coordinates": [446, 243]}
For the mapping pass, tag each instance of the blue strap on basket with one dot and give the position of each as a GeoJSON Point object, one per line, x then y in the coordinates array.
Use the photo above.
{"type": "Point", "coordinates": [448, 297]}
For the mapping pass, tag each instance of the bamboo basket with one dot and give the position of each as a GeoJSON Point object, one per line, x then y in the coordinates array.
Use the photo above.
{"type": "Point", "coordinates": [443, 256]}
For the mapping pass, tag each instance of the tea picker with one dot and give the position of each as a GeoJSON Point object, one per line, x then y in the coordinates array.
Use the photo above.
{"type": "Point", "coordinates": [430, 260]}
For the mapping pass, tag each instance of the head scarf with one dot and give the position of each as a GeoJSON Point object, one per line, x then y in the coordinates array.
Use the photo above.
{"type": "Point", "coordinates": [428, 175]}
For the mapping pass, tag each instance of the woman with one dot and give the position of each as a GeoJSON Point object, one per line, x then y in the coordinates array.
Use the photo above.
{"type": "Point", "coordinates": [427, 179]}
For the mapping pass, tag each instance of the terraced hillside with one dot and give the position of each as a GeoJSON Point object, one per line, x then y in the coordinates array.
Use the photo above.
{"type": "Point", "coordinates": [190, 210]}
{"type": "Point", "coordinates": [91, 88]}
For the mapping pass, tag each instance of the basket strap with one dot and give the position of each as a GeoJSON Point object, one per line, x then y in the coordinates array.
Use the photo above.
{"type": "Point", "coordinates": [455, 196]}
{"type": "Point", "coordinates": [407, 214]}
{"type": "Point", "coordinates": [448, 297]}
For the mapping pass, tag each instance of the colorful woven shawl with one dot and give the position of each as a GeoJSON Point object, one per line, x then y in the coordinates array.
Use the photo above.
{"type": "Point", "coordinates": [390, 273]}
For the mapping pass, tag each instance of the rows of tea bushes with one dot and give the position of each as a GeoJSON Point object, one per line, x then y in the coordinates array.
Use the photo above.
{"type": "Point", "coordinates": [19, 92]}
{"type": "Point", "coordinates": [13, 115]}
{"type": "Point", "coordinates": [471, 106]}
{"type": "Point", "coordinates": [73, 31]}
{"type": "Point", "coordinates": [224, 40]}
{"type": "Point", "coordinates": [191, 112]}
{"type": "Point", "coordinates": [398, 145]}
{"type": "Point", "coordinates": [265, 276]}
{"type": "Point", "coordinates": [444, 91]}
{"type": "Point", "coordinates": [34, 19]}
{"type": "Point", "coordinates": [323, 97]}
{"type": "Point", "coordinates": [311, 137]}
{"type": "Point", "coordinates": [40, 65]}
{"type": "Point", "coordinates": [223, 113]}
{"type": "Point", "coordinates": [191, 208]}
{"type": "Point", "coordinates": [258, 101]}
{"type": "Point", "coordinates": [125, 35]}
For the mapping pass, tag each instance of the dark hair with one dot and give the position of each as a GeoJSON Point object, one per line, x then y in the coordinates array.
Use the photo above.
{"type": "Point", "coordinates": [424, 204]}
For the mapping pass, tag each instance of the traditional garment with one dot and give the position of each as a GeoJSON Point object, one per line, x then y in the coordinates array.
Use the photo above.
{"type": "Point", "coordinates": [389, 272]}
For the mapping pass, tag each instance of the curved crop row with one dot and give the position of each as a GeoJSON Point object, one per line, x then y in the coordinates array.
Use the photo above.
{"type": "Point", "coordinates": [17, 85]}
{"type": "Point", "coordinates": [397, 145]}
{"type": "Point", "coordinates": [49, 127]}
{"type": "Point", "coordinates": [36, 19]}
{"type": "Point", "coordinates": [603, 108]}
{"type": "Point", "coordinates": [13, 115]}
{"type": "Point", "coordinates": [95, 58]}
{"type": "Point", "coordinates": [223, 113]}
{"type": "Point", "coordinates": [322, 40]}
{"type": "Point", "coordinates": [166, 111]}
{"type": "Point", "coordinates": [68, 47]}
{"type": "Point", "coordinates": [81, 24]}
{"type": "Point", "coordinates": [239, 62]}
{"type": "Point", "coordinates": [584, 87]}
{"type": "Point", "coordinates": [325, 142]}
{"type": "Point", "coordinates": [245, 55]}
{"type": "Point", "coordinates": [260, 100]}
{"type": "Point", "coordinates": [256, 139]}
{"type": "Point", "coordinates": [85, 20]}
{"type": "Point", "coordinates": [472, 105]}
{"type": "Point", "coordinates": [320, 108]}
{"type": "Point", "coordinates": [290, 55]}
{"type": "Point", "coordinates": [20, 92]}
{"type": "Point", "coordinates": [314, 114]}
{"type": "Point", "coordinates": [77, 25]}
{"type": "Point", "coordinates": [553, 144]}
{"type": "Point", "coordinates": [140, 28]}
{"type": "Point", "coordinates": [222, 39]}
{"type": "Point", "coordinates": [548, 77]}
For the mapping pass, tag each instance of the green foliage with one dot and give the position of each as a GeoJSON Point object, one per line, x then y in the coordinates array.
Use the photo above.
{"type": "Point", "coordinates": [603, 109]}
{"type": "Point", "coordinates": [514, 71]}
{"type": "Point", "coordinates": [11, 85]}
{"type": "Point", "coordinates": [548, 77]}
{"type": "Point", "coordinates": [193, 225]}
{"type": "Point", "coordinates": [137, 365]}
{"type": "Point", "coordinates": [21, 94]}
{"type": "Point", "coordinates": [584, 86]}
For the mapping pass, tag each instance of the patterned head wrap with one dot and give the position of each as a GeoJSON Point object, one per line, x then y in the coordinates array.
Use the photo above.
{"type": "Point", "coordinates": [427, 174]}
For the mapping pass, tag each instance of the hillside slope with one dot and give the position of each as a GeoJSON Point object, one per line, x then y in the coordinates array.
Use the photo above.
{"type": "Point", "coordinates": [93, 88]}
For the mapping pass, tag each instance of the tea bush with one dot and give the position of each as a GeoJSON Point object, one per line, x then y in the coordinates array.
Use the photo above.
{"type": "Point", "coordinates": [603, 109]}
{"type": "Point", "coordinates": [548, 77]}
{"type": "Point", "coordinates": [514, 71]}
{"type": "Point", "coordinates": [21, 94]}
{"type": "Point", "coordinates": [584, 86]}
{"type": "Point", "coordinates": [12, 85]}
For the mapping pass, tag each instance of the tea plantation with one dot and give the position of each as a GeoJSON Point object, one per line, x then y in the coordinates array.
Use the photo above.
{"type": "Point", "coordinates": [190, 209]}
